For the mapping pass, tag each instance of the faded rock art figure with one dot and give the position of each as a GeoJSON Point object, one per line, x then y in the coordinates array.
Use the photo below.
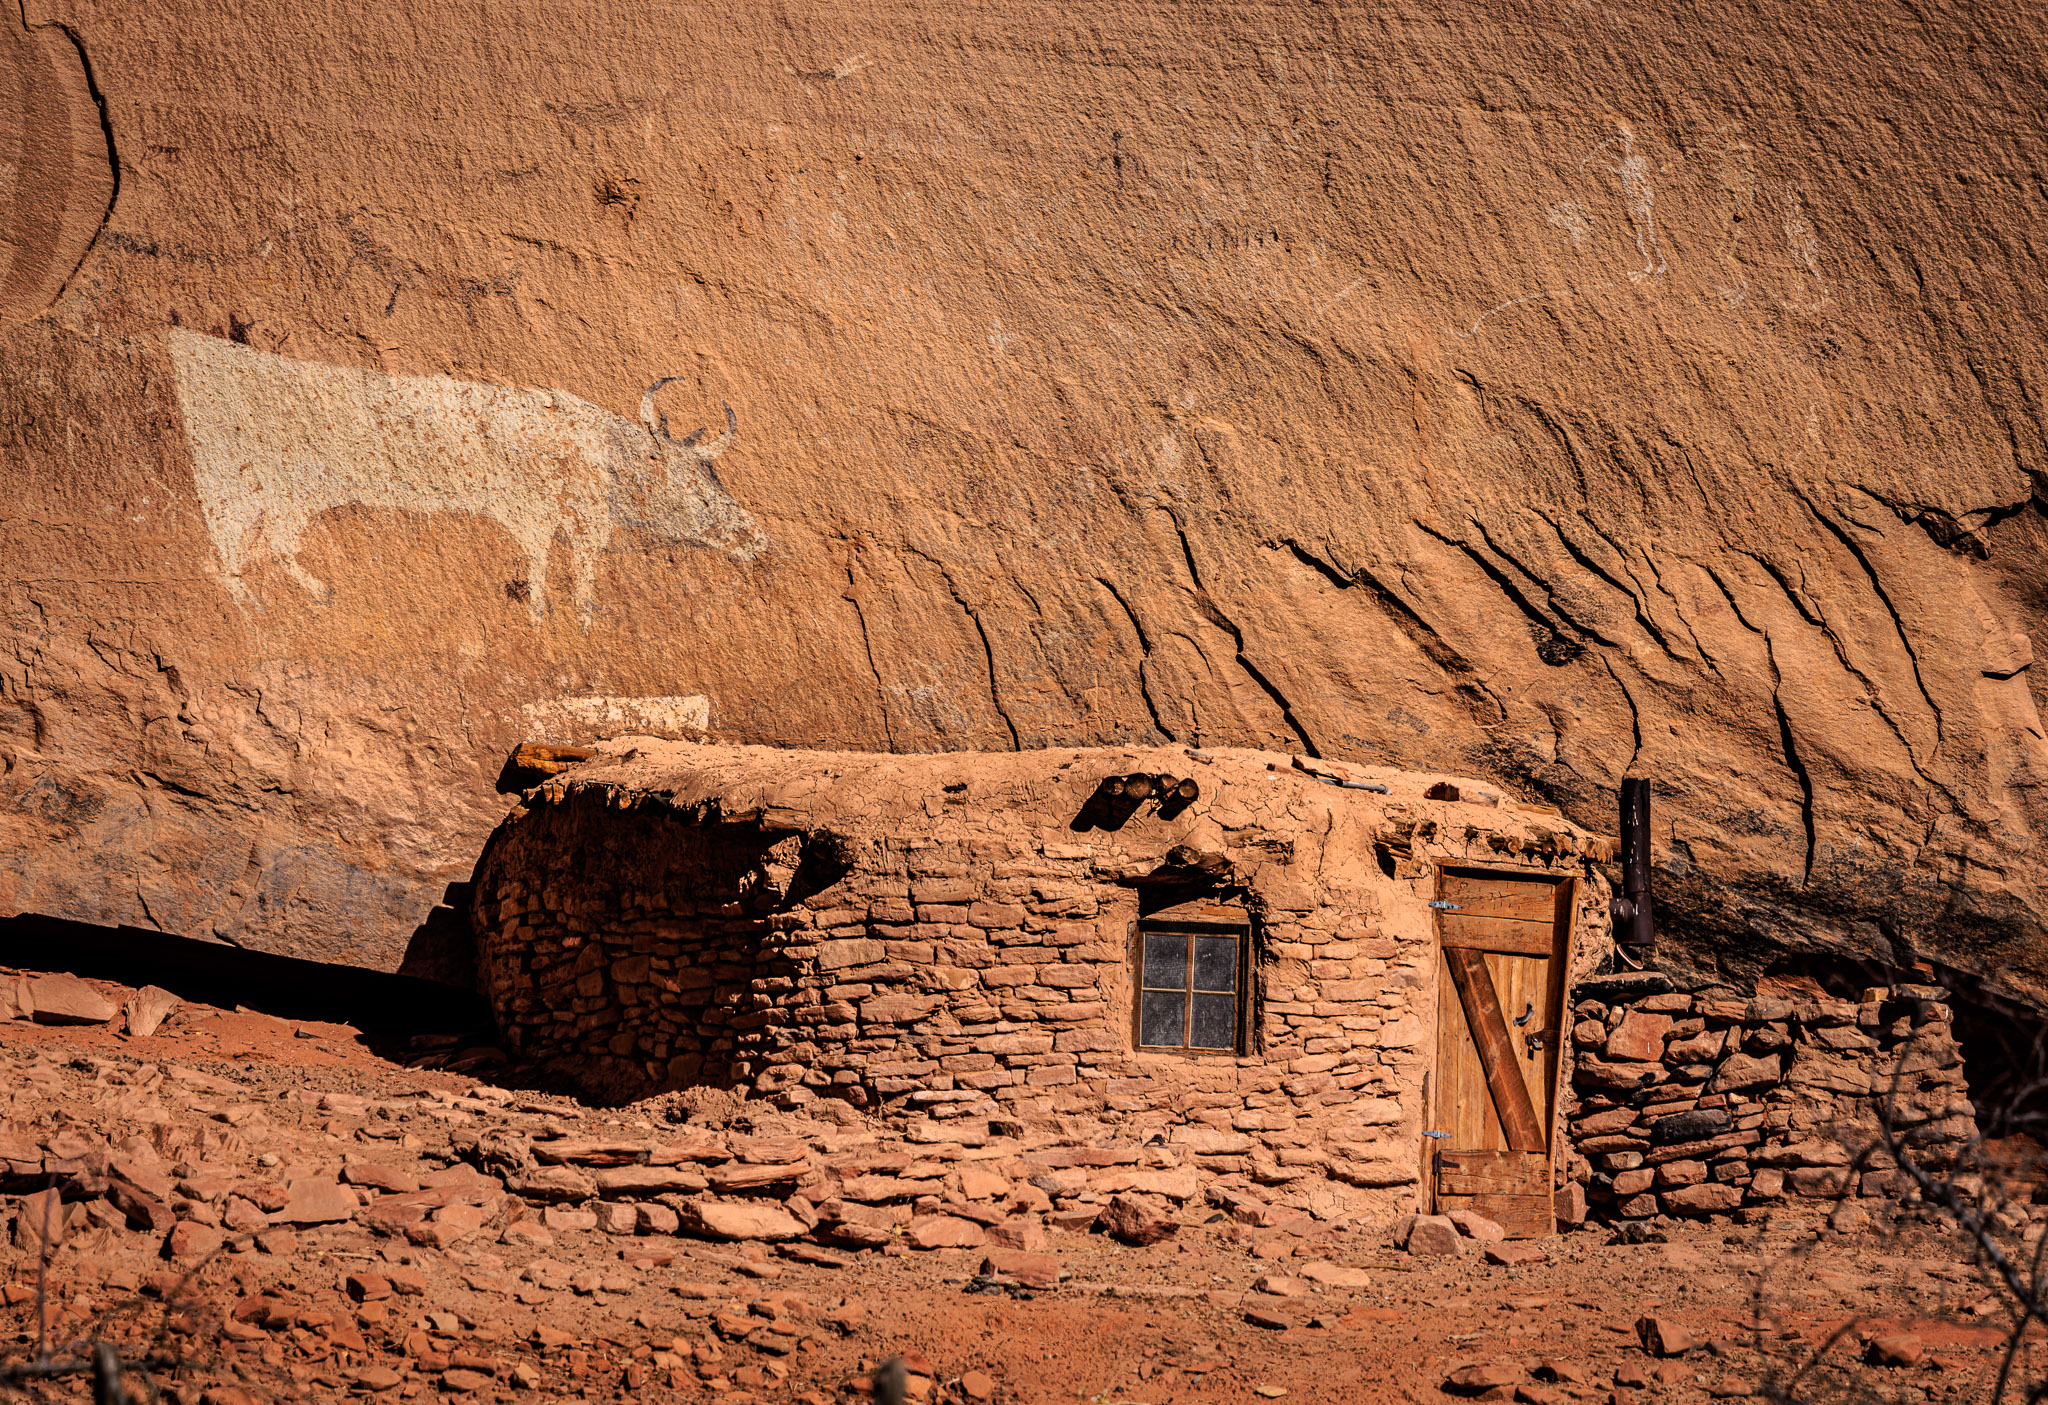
{"type": "Point", "coordinates": [277, 441]}
{"type": "Point", "coordinates": [1632, 173]}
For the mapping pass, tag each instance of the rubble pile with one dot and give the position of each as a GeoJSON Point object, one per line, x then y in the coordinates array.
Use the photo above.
{"type": "Point", "coordinates": [320, 1239]}
{"type": "Point", "coordinates": [1694, 1103]}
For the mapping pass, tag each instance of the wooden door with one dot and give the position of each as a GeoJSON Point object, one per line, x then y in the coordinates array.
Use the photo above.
{"type": "Point", "coordinates": [1506, 945]}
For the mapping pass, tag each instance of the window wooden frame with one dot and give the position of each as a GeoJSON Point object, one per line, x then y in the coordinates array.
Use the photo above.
{"type": "Point", "coordinates": [1241, 933]}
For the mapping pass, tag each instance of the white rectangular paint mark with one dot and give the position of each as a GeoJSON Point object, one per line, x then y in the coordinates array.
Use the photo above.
{"type": "Point", "coordinates": [596, 718]}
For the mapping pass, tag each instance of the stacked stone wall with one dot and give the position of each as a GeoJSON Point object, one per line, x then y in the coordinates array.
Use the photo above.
{"type": "Point", "coordinates": [1693, 1103]}
{"type": "Point", "coordinates": [950, 982]}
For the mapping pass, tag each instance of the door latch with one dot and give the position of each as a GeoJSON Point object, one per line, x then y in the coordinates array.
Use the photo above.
{"type": "Point", "coordinates": [1537, 1040]}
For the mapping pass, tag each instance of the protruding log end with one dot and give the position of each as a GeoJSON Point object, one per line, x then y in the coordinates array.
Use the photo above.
{"type": "Point", "coordinates": [533, 762]}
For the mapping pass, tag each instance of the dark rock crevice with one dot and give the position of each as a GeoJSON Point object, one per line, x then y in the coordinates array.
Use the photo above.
{"type": "Point", "coordinates": [1144, 659]}
{"type": "Point", "coordinates": [1214, 614]}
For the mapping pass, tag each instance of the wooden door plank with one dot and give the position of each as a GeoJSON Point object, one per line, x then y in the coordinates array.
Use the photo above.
{"type": "Point", "coordinates": [1464, 1107]}
{"type": "Point", "coordinates": [1522, 984]}
{"type": "Point", "coordinates": [1496, 1052]}
{"type": "Point", "coordinates": [1522, 1216]}
{"type": "Point", "coordinates": [1498, 934]}
{"type": "Point", "coordinates": [1526, 900]}
{"type": "Point", "coordinates": [1491, 1172]}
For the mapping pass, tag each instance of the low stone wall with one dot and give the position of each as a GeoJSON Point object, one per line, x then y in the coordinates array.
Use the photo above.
{"type": "Point", "coordinates": [1700, 1102]}
{"type": "Point", "coordinates": [964, 961]}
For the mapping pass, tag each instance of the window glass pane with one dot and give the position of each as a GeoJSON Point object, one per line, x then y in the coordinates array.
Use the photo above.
{"type": "Point", "coordinates": [1215, 1022]}
{"type": "Point", "coordinates": [1166, 962]}
{"type": "Point", "coordinates": [1165, 1019]}
{"type": "Point", "coordinates": [1215, 963]}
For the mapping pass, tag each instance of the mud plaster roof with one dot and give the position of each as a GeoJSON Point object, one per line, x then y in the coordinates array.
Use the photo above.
{"type": "Point", "coordinates": [939, 796]}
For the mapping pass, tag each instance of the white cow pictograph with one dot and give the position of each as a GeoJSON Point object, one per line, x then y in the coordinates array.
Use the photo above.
{"type": "Point", "coordinates": [278, 441]}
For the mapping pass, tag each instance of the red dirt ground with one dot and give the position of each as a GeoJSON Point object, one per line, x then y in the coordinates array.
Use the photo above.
{"type": "Point", "coordinates": [1181, 1321]}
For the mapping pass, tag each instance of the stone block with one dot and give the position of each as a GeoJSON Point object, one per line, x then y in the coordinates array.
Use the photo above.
{"type": "Point", "coordinates": [1709, 1197]}
{"type": "Point", "coordinates": [1813, 1069]}
{"type": "Point", "coordinates": [1590, 1072]}
{"type": "Point", "coordinates": [1674, 1174]}
{"type": "Point", "coordinates": [1632, 1183]}
{"type": "Point", "coordinates": [1697, 1125]}
{"type": "Point", "coordinates": [856, 951]}
{"type": "Point", "coordinates": [1704, 1047]}
{"type": "Point", "coordinates": [1639, 1038]}
{"type": "Point", "coordinates": [899, 1009]}
{"type": "Point", "coordinates": [1739, 1072]}
{"type": "Point", "coordinates": [1817, 1182]}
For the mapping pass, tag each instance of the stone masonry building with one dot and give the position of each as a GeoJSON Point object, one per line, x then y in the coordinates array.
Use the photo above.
{"type": "Point", "coordinates": [1235, 958]}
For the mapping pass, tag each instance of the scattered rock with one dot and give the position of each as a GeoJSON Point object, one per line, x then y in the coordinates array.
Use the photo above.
{"type": "Point", "coordinates": [376, 1177]}
{"type": "Point", "coordinates": [63, 999]}
{"type": "Point", "coordinates": [146, 1010]}
{"type": "Point", "coordinates": [1331, 1275]}
{"type": "Point", "coordinates": [1134, 1219]}
{"type": "Point", "coordinates": [1024, 1232]}
{"type": "Point", "coordinates": [944, 1232]}
{"type": "Point", "coordinates": [1895, 1349]}
{"type": "Point", "coordinates": [1661, 1336]}
{"type": "Point", "coordinates": [1041, 1271]}
{"type": "Point", "coordinates": [189, 1239]}
{"type": "Point", "coordinates": [317, 1202]}
{"type": "Point", "coordinates": [1477, 1380]}
{"type": "Point", "coordinates": [366, 1287]}
{"type": "Point", "coordinates": [1279, 1285]}
{"type": "Point", "coordinates": [726, 1219]}
{"type": "Point", "coordinates": [1849, 1218]}
{"type": "Point", "coordinates": [561, 1219]}
{"type": "Point", "coordinates": [528, 1234]}
{"type": "Point", "coordinates": [1514, 1253]}
{"type": "Point", "coordinates": [1428, 1235]}
{"type": "Point", "coordinates": [1476, 1226]}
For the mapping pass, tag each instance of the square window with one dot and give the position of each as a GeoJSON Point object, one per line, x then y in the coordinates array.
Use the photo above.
{"type": "Point", "coordinates": [1190, 989]}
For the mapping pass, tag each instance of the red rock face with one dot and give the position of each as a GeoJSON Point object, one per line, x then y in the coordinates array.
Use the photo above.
{"type": "Point", "coordinates": [1549, 400]}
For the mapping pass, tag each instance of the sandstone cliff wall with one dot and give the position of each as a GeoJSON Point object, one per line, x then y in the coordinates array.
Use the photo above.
{"type": "Point", "coordinates": [1546, 391]}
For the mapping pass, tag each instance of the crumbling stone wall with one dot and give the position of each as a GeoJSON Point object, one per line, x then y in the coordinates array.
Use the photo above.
{"type": "Point", "coordinates": [1700, 1102]}
{"type": "Point", "coordinates": [958, 958]}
